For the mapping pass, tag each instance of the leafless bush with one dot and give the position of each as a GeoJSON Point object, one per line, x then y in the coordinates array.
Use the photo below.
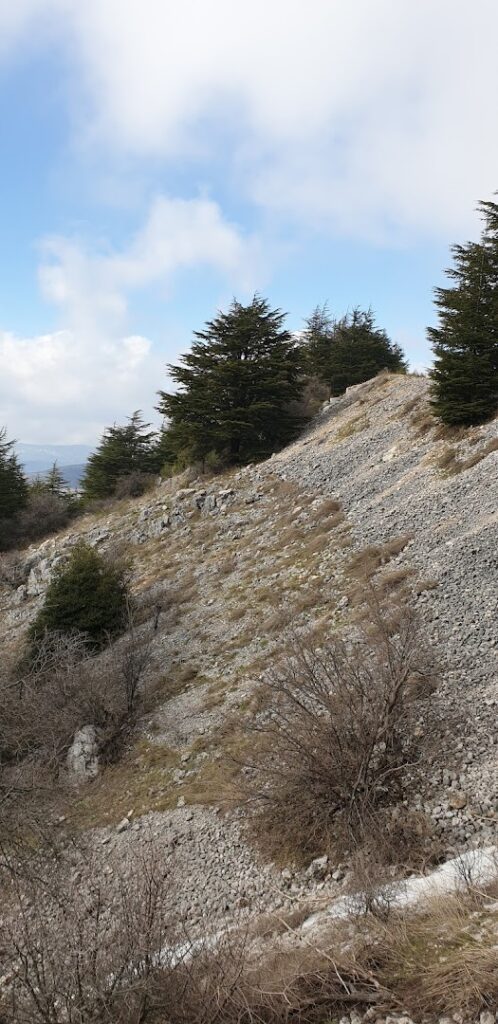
{"type": "Point", "coordinates": [343, 734]}
{"type": "Point", "coordinates": [80, 947]}
{"type": "Point", "coordinates": [12, 571]}
{"type": "Point", "coordinates": [45, 513]}
{"type": "Point", "coordinates": [314, 394]}
{"type": "Point", "coordinates": [134, 485]}
{"type": "Point", "coordinates": [65, 688]}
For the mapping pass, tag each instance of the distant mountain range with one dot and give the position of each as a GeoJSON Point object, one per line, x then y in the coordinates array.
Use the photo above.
{"type": "Point", "coordinates": [70, 458]}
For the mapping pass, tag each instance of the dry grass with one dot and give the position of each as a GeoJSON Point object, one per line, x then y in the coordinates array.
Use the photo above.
{"type": "Point", "coordinates": [441, 961]}
{"type": "Point", "coordinates": [278, 620]}
{"type": "Point", "coordinates": [423, 419]}
{"type": "Point", "coordinates": [237, 613]}
{"type": "Point", "coordinates": [141, 780]}
{"type": "Point", "coordinates": [365, 563]}
{"type": "Point", "coordinates": [450, 463]}
{"type": "Point", "coordinates": [290, 535]}
{"type": "Point", "coordinates": [444, 432]}
{"type": "Point", "coordinates": [353, 426]}
{"type": "Point", "coordinates": [394, 578]}
{"type": "Point", "coordinates": [227, 566]}
{"type": "Point", "coordinates": [431, 583]}
{"type": "Point", "coordinates": [327, 508]}
{"type": "Point", "coordinates": [216, 782]}
{"type": "Point", "coordinates": [409, 406]}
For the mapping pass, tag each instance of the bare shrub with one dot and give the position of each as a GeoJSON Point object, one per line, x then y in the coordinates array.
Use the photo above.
{"type": "Point", "coordinates": [45, 513]}
{"type": "Point", "coordinates": [78, 946]}
{"type": "Point", "coordinates": [12, 571]}
{"type": "Point", "coordinates": [133, 485]}
{"type": "Point", "coordinates": [314, 394]}
{"type": "Point", "coordinates": [65, 688]}
{"type": "Point", "coordinates": [343, 734]}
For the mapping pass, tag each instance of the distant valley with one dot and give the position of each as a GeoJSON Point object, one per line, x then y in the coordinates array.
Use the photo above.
{"type": "Point", "coordinates": [70, 458]}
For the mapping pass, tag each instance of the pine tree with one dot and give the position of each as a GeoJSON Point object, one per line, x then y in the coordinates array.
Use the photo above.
{"type": "Point", "coordinates": [87, 595]}
{"type": "Point", "coordinates": [236, 385]}
{"type": "Point", "coordinates": [13, 485]}
{"type": "Point", "coordinates": [465, 342]}
{"type": "Point", "coordinates": [122, 451]}
{"type": "Point", "coordinates": [357, 351]}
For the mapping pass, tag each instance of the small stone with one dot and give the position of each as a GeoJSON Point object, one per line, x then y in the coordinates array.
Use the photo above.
{"type": "Point", "coordinates": [457, 801]}
{"type": "Point", "coordinates": [123, 825]}
{"type": "Point", "coordinates": [317, 867]}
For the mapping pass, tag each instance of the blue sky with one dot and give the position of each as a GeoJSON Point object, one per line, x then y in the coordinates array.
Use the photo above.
{"type": "Point", "coordinates": [157, 159]}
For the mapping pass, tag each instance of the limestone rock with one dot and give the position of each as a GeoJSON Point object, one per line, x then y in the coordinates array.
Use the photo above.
{"type": "Point", "coordinates": [82, 756]}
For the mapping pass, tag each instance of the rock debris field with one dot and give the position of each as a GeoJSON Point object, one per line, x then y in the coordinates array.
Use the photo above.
{"type": "Point", "coordinates": [227, 567]}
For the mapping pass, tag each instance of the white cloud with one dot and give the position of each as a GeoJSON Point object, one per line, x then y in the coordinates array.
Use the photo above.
{"type": "Point", "coordinates": [58, 387]}
{"type": "Point", "coordinates": [178, 234]}
{"type": "Point", "coordinates": [92, 370]}
{"type": "Point", "coordinates": [353, 116]}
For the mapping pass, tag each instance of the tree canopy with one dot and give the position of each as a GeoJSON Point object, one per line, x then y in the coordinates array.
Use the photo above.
{"type": "Point", "coordinates": [123, 451]}
{"type": "Point", "coordinates": [235, 388]}
{"type": "Point", "coordinates": [465, 341]}
{"type": "Point", "coordinates": [350, 350]}
{"type": "Point", "coordinates": [13, 490]}
{"type": "Point", "coordinates": [87, 595]}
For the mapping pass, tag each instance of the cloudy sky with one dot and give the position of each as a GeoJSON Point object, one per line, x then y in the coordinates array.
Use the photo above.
{"type": "Point", "coordinates": [159, 157]}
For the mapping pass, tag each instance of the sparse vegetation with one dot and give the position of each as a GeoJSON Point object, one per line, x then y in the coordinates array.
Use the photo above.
{"type": "Point", "coordinates": [88, 596]}
{"type": "Point", "coordinates": [451, 464]}
{"type": "Point", "coordinates": [83, 950]}
{"type": "Point", "coordinates": [365, 563]}
{"type": "Point", "coordinates": [63, 689]}
{"type": "Point", "coordinates": [342, 738]}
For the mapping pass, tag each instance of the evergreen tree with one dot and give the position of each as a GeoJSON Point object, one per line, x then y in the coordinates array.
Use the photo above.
{"type": "Point", "coordinates": [123, 451]}
{"type": "Point", "coordinates": [316, 340]}
{"type": "Point", "coordinates": [13, 485]}
{"type": "Point", "coordinates": [50, 483]}
{"type": "Point", "coordinates": [86, 595]}
{"type": "Point", "coordinates": [465, 342]}
{"type": "Point", "coordinates": [358, 351]}
{"type": "Point", "coordinates": [55, 483]}
{"type": "Point", "coordinates": [236, 385]}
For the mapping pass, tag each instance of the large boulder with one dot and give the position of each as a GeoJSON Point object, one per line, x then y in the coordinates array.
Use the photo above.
{"type": "Point", "coordinates": [83, 755]}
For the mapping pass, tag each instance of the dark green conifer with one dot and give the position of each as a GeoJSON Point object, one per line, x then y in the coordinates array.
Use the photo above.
{"type": "Point", "coordinates": [13, 488]}
{"type": "Point", "coordinates": [122, 451]}
{"type": "Point", "coordinates": [356, 350]}
{"type": "Point", "coordinates": [317, 339]}
{"type": "Point", "coordinates": [465, 342]}
{"type": "Point", "coordinates": [236, 386]}
{"type": "Point", "coordinates": [87, 595]}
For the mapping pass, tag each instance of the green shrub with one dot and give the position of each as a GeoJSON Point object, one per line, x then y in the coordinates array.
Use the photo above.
{"type": "Point", "coordinates": [87, 595]}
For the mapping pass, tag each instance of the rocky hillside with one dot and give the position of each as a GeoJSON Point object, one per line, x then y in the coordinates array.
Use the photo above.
{"type": "Point", "coordinates": [224, 570]}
